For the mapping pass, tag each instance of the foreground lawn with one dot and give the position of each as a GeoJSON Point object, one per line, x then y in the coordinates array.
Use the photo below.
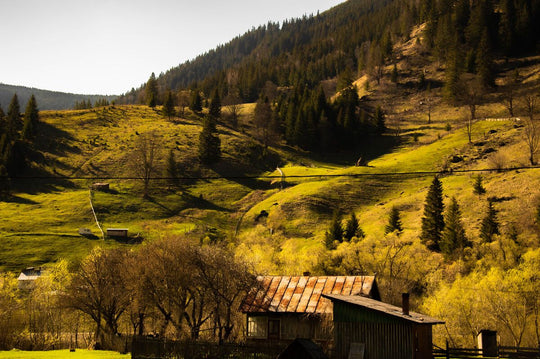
{"type": "Point", "coordinates": [61, 354]}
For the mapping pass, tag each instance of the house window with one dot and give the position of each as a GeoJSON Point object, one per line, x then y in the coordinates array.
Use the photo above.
{"type": "Point", "coordinates": [257, 327]}
{"type": "Point", "coordinates": [273, 328]}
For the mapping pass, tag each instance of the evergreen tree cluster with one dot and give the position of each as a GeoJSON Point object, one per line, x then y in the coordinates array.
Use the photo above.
{"type": "Point", "coordinates": [339, 232]}
{"type": "Point", "coordinates": [310, 122]}
{"type": "Point", "coordinates": [87, 104]}
{"type": "Point", "coordinates": [469, 35]}
{"type": "Point", "coordinates": [16, 133]}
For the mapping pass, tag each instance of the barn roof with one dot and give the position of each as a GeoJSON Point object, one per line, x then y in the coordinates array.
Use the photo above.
{"type": "Point", "coordinates": [384, 308]}
{"type": "Point", "coordinates": [289, 294]}
{"type": "Point", "coordinates": [30, 273]}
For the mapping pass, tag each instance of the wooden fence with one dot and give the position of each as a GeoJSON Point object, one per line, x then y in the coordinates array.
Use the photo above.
{"type": "Point", "coordinates": [149, 348]}
{"type": "Point", "coordinates": [470, 353]}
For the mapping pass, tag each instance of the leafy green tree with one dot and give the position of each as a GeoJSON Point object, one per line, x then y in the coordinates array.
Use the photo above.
{"type": "Point", "coordinates": [31, 118]}
{"type": "Point", "coordinates": [215, 105]}
{"type": "Point", "coordinates": [453, 238]}
{"type": "Point", "coordinates": [394, 222]}
{"type": "Point", "coordinates": [489, 226]}
{"type": "Point", "coordinates": [352, 228]}
{"type": "Point", "coordinates": [478, 187]}
{"type": "Point", "coordinates": [335, 232]}
{"type": "Point", "coordinates": [151, 91]}
{"type": "Point", "coordinates": [209, 142]}
{"type": "Point", "coordinates": [433, 220]}
{"type": "Point", "coordinates": [168, 106]}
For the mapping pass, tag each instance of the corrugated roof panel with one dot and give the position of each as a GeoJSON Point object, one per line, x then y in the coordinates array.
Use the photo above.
{"type": "Point", "coordinates": [276, 300]}
{"type": "Point", "coordinates": [267, 301]}
{"type": "Point", "coordinates": [338, 287]}
{"type": "Point", "coordinates": [348, 285]}
{"type": "Point", "coordinates": [291, 308]}
{"type": "Point", "coordinates": [316, 295]}
{"type": "Point", "coordinates": [288, 294]}
{"type": "Point", "coordinates": [302, 294]}
{"type": "Point", "coordinates": [322, 307]}
{"type": "Point", "coordinates": [306, 295]}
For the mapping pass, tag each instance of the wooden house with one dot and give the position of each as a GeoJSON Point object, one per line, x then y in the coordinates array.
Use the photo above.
{"type": "Point", "coordinates": [383, 330]}
{"type": "Point", "coordinates": [283, 308]}
{"type": "Point", "coordinates": [117, 232]}
{"type": "Point", "coordinates": [27, 278]}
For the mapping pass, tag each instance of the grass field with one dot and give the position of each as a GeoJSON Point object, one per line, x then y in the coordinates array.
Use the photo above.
{"type": "Point", "coordinates": [62, 354]}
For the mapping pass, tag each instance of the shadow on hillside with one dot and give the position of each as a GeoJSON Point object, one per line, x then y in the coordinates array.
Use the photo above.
{"type": "Point", "coordinates": [16, 199]}
{"type": "Point", "coordinates": [188, 201]}
{"type": "Point", "coordinates": [368, 150]}
{"type": "Point", "coordinates": [54, 140]}
{"type": "Point", "coordinates": [237, 173]}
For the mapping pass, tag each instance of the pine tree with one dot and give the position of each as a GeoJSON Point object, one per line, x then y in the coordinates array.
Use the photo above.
{"type": "Point", "coordinates": [433, 220]}
{"type": "Point", "coordinates": [209, 142]}
{"type": "Point", "coordinates": [195, 102]}
{"type": "Point", "coordinates": [168, 106]}
{"type": "Point", "coordinates": [335, 232]}
{"type": "Point", "coordinates": [484, 62]}
{"type": "Point", "coordinates": [215, 106]}
{"type": "Point", "coordinates": [394, 222]}
{"type": "Point", "coordinates": [13, 118]}
{"type": "Point", "coordinates": [151, 90]}
{"type": "Point", "coordinates": [489, 226]}
{"type": "Point", "coordinates": [352, 228]}
{"type": "Point", "coordinates": [453, 239]}
{"type": "Point", "coordinates": [478, 187]}
{"type": "Point", "coordinates": [380, 119]}
{"type": "Point", "coordinates": [31, 118]}
{"type": "Point", "coordinates": [394, 75]}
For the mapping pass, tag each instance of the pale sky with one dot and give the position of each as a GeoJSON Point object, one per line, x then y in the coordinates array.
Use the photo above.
{"type": "Point", "coordinates": [109, 46]}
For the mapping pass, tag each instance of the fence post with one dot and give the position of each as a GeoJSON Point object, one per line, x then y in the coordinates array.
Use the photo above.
{"type": "Point", "coordinates": [447, 351]}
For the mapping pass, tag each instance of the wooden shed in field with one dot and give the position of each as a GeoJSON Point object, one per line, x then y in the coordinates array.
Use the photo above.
{"type": "Point", "coordinates": [117, 232]}
{"type": "Point", "coordinates": [283, 308]}
{"type": "Point", "coordinates": [383, 330]}
{"type": "Point", "coordinates": [27, 278]}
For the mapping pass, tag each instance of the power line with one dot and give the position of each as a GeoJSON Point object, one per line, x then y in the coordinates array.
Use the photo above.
{"type": "Point", "coordinates": [349, 175]}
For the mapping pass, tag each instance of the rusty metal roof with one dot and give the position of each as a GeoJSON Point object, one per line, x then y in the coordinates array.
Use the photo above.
{"type": "Point", "coordinates": [384, 308]}
{"type": "Point", "coordinates": [289, 294]}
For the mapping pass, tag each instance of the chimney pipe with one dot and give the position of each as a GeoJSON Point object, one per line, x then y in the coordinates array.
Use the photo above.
{"type": "Point", "coordinates": [405, 303]}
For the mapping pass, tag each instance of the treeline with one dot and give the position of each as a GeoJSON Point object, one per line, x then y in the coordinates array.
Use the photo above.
{"type": "Point", "coordinates": [358, 36]}
{"type": "Point", "coordinates": [87, 104]}
{"type": "Point", "coordinates": [16, 135]}
{"type": "Point", "coordinates": [170, 288]}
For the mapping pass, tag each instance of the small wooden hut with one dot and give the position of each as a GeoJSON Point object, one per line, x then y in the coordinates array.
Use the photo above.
{"type": "Point", "coordinates": [283, 308]}
{"type": "Point", "coordinates": [386, 331]}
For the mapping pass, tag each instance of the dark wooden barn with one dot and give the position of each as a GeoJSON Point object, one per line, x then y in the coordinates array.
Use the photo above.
{"type": "Point", "coordinates": [283, 308]}
{"type": "Point", "coordinates": [384, 330]}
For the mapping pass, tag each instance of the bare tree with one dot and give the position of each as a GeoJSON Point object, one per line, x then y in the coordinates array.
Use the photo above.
{"type": "Point", "coordinates": [510, 92]}
{"type": "Point", "coordinates": [470, 93]}
{"type": "Point", "coordinates": [532, 132]}
{"type": "Point", "coordinates": [145, 159]}
{"type": "Point", "coordinates": [232, 104]}
{"type": "Point", "coordinates": [183, 101]}
{"type": "Point", "coordinates": [98, 291]}
{"type": "Point", "coordinates": [228, 280]}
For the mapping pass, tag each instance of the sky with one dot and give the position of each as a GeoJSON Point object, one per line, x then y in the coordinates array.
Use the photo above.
{"type": "Point", "coordinates": [107, 47]}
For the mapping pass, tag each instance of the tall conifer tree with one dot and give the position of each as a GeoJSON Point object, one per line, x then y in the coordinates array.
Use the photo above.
{"type": "Point", "coordinates": [209, 142]}
{"type": "Point", "coordinates": [489, 226]}
{"type": "Point", "coordinates": [168, 106]}
{"type": "Point", "coordinates": [151, 91]}
{"type": "Point", "coordinates": [31, 118]}
{"type": "Point", "coordinates": [13, 118]}
{"type": "Point", "coordinates": [453, 239]}
{"type": "Point", "coordinates": [433, 220]}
